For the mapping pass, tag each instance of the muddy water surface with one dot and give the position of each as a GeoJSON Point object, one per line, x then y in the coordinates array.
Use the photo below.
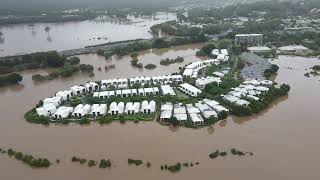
{"type": "Point", "coordinates": [283, 138]}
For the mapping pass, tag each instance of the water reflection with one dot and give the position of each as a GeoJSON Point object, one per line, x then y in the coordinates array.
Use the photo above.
{"type": "Point", "coordinates": [12, 88]}
{"type": "Point", "coordinates": [210, 130]}
{"type": "Point", "coordinates": [223, 123]}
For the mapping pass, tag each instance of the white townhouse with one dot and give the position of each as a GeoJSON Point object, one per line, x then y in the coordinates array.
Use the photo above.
{"type": "Point", "coordinates": [166, 111]}
{"type": "Point", "coordinates": [203, 81]}
{"type": "Point", "coordinates": [81, 110]}
{"type": "Point", "coordinates": [167, 90]}
{"type": "Point", "coordinates": [46, 110]}
{"type": "Point", "coordinates": [148, 107]}
{"type": "Point", "coordinates": [54, 100]}
{"type": "Point", "coordinates": [64, 95]}
{"type": "Point", "coordinates": [91, 86]}
{"type": "Point", "coordinates": [78, 90]}
{"type": "Point", "coordinates": [62, 113]}
{"type": "Point", "coordinates": [190, 90]}
{"type": "Point", "coordinates": [196, 118]}
{"type": "Point", "coordinates": [98, 110]}
{"type": "Point", "coordinates": [180, 112]}
{"type": "Point", "coordinates": [132, 108]}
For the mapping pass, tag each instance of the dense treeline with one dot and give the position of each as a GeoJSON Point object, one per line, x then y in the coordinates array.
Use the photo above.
{"type": "Point", "coordinates": [168, 61]}
{"type": "Point", "coordinates": [272, 70]}
{"type": "Point", "coordinates": [27, 159]}
{"type": "Point", "coordinates": [225, 86]}
{"type": "Point", "coordinates": [31, 61]}
{"type": "Point", "coordinates": [13, 78]}
{"type": "Point", "coordinates": [65, 71]}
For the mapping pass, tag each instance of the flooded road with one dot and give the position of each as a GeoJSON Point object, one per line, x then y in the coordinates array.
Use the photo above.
{"type": "Point", "coordinates": [283, 138]}
{"type": "Point", "coordinates": [73, 35]}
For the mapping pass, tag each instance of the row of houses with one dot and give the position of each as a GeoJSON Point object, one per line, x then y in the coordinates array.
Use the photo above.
{"type": "Point", "coordinates": [123, 83]}
{"type": "Point", "coordinates": [192, 69]}
{"type": "Point", "coordinates": [190, 90]}
{"type": "Point", "coordinates": [96, 110]}
{"type": "Point", "coordinates": [204, 109]}
{"type": "Point", "coordinates": [127, 93]}
{"type": "Point", "coordinates": [203, 81]}
{"type": "Point", "coordinates": [250, 89]}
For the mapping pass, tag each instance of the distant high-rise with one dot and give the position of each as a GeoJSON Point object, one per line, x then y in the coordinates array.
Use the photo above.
{"type": "Point", "coordinates": [249, 39]}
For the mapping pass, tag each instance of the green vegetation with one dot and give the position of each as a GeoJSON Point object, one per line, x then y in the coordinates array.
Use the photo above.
{"type": "Point", "coordinates": [13, 78]}
{"type": "Point", "coordinates": [177, 166]}
{"type": "Point", "coordinates": [32, 117]}
{"type": "Point", "coordinates": [150, 66]}
{"type": "Point", "coordinates": [91, 163]}
{"type": "Point", "coordinates": [28, 159]}
{"type": "Point", "coordinates": [272, 70]}
{"type": "Point", "coordinates": [216, 44]}
{"type": "Point", "coordinates": [257, 106]}
{"type": "Point", "coordinates": [316, 68]}
{"type": "Point", "coordinates": [31, 61]}
{"type": "Point", "coordinates": [135, 63]}
{"type": "Point", "coordinates": [215, 89]}
{"type": "Point", "coordinates": [65, 71]}
{"type": "Point", "coordinates": [104, 163]}
{"type": "Point", "coordinates": [233, 151]}
{"type": "Point", "coordinates": [135, 162]}
{"type": "Point", "coordinates": [168, 61]}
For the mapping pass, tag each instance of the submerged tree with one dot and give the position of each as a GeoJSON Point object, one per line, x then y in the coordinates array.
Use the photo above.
{"type": "Point", "coordinates": [47, 29]}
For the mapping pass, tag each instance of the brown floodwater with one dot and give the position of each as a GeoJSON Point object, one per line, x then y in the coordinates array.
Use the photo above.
{"type": "Point", "coordinates": [283, 138]}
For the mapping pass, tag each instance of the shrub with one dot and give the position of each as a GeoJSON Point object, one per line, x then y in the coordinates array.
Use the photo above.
{"type": "Point", "coordinates": [150, 66]}
{"type": "Point", "coordinates": [136, 162]}
{"type": "Point", "coordinates": [91, 163]}
{"type": "Point", "coordinates": [104, 163]}
{"type": "Point", "coordinates": [175, 168]}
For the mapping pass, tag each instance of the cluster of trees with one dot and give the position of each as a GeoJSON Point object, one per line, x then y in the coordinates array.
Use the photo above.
{"type": "Point", "coordinates": [172, 168]}
{"type": "Point", "coordinates": [215, 29]}
{"type": "Point", "coordinates": [206, 50]}
{"type": "Point", "coordinates": [150, 66]}
{"type": "Point", "coordinates": [104, 163]}
{"type": "Point", "coordinates": [132, 47]}
{"type": "Point", "coordinates": [65, 71]}
{"type": "Point", "coordinates": [80, 160]}
{"type": "Point", "coordinates": [31, 61]}
{"type": "Point", "coordinates": [168, 61]}
{"type": "Point", "coordinates": [233, 151]}
{"type": "Point", "coordinates": [136, 162]}
{"type": "Point", "coordinates": [29, 159]}
{"type": "Point", "coordinates": [316, 67]}
{"type": "Point", "coordinates": [135, 62]}
{"type": "Point", "coordinates": [225, 86]}
{"type": "Point", "coordinates": [217, 153]}
{"type": "Point", "coordinates": [13, 78]}
{"type": "Point", "coordinates": [272, 70]}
